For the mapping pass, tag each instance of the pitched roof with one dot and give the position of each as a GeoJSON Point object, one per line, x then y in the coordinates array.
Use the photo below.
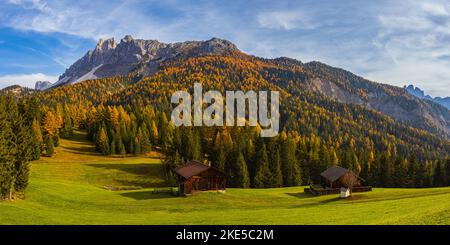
{"type": "Point", "coordinates": [191, 168]}
{"type": "Point", "coordinates": [334, 173]}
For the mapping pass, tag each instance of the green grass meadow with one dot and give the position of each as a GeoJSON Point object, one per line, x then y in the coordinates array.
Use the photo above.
{"type": "Point", "coordinates": [69, 189]}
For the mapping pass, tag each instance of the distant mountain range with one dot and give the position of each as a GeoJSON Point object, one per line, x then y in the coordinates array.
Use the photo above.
{"type": "Point", "coordinates": [416, 91]}
{"type": "Point", "coordinates": [140, 58]}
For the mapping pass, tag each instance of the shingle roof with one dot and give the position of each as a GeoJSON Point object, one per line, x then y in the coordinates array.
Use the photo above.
{"type": "Point", "coordinates": [334, 173]}
{"type": "Point", "coordinates": [191, 168]}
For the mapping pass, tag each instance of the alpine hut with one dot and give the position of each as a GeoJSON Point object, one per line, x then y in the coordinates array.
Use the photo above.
{"type": "Point", "coordinates": [195, 176]}
{"type": "Point", "coordinates": [337, 177]}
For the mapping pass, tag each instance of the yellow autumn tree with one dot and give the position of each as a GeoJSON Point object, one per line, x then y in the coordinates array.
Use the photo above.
{"type": "Point", "coordinates": [50, 123]}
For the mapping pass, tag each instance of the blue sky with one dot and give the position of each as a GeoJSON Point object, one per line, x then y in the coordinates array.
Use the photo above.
{"type": "Point", "coordinates": [395, 42]}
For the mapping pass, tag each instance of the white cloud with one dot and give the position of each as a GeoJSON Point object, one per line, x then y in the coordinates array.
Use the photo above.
{"type": "Point", "coordinates": [27, 80]}
{"type": "Point", "coordinates": [286, 20]}
{"type": "Point", "coordinates": [413, 47]}
{"type": "Point", "coordinates": [387, 41]}
{"type": "Point", "coordinates": [435, 8]}
{"type": "Point", "coordinates": [89, 19]}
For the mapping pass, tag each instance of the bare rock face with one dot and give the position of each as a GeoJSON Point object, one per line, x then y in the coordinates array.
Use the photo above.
{"type": "Point", "coordinates": [42, 85]}
{"type": "Point", "coordinates": [112, 59]}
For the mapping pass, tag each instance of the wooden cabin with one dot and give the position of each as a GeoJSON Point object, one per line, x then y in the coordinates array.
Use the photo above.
{"type": "Point", "coordinates": [337, 177]}
{"type": "Point", "coordinates": [195, 176]}
{"type": "Point", "coordinates": [337, 180]}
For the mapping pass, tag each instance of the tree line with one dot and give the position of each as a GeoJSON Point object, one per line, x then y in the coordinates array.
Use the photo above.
{"type": "Point", "coordinates": [123, 116]}
{"type": "Point", "coordinates": [289, 159]}
{"type": "Point", "coordinates": [17, 145]}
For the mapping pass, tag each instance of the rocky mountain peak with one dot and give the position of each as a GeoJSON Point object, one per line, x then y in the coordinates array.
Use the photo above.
{"type": "Point", "coordinates": [42, 85]}
{"type": "Point", "coordinates": [127, 38]}
{"type": "Point", "coordinates": [115, 59]}
{"type": "Point", "coordinates": [419, 93]}
{"type": "Point", "coordinates": [107, 44]}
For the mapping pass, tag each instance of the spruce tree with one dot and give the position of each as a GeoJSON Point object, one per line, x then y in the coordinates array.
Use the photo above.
{"type": "Point", "coordinates": [38, 141]}
{"type": "Point", "coordinates": [49, 146]}
{"type": "Point", "coordinates": [413, 169]}
{"type": "Point", "coordinates": [24, 138]}
{"type": "Point", "coordinates": [112, 146]}
{"type": "Point", "coordinates": [154, 133]}
{"type": "Point", "coordinates": [420, 178]}
{"type": "Point", "coordinates": [103, 142]}
{"type": "Point", "coordinates": [177, 159]}
{"type": "Point", "coordinates": [137, 146]}
{"type": "Point", "coordinates": [144, 139]}
{"type": "Point", "coordinates": [447, 171]}
{"type": "Point", "coordinates": [220, 159]}
{"type": "Point", "coordinates": [239, 176]}
{"type": "Point", "coordinates": [439, 178]}
{"type": "Point", "coordinates": [262, 174]}
{"type": "Point", "coordinates": [290, 164]}
{"type": "Point", "coordinates": [67, 128]}
{"type": "Point", "coordinates": [386, 171]}
{"type": "Point", "coordinates": [276, 177]}
{"type": "Point", "coordinates": [6, 148]}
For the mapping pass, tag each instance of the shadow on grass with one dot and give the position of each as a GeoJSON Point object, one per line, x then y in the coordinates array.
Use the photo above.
{"type": "Point", "coordinates": [143, 175]}
{"type": "Point", "coordinates": [332, 198]}
{"type": "Point", "coordinates": [83, 150]}
{"type": "Point", "coordinates": [146, 195]}
{"type": "Point", "coordinates": [140, 169]}
{"type": "Point", "coordinates": [300, 195]}
{"type": "Point", "coordinates": [78, 136]}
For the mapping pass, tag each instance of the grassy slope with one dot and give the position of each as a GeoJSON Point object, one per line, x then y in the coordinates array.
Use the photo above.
{"type": "Point", "coordinates": [67, 189]}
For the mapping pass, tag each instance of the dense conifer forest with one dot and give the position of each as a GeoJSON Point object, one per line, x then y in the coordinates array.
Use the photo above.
{"type": "Point", "coordinates": [131, 116]}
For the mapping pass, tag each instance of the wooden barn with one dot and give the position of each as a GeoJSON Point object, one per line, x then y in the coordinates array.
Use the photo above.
{"type": "Point", "coordinates": [335, 178]}
{"type": "Point", "coordinates": [195, 176]}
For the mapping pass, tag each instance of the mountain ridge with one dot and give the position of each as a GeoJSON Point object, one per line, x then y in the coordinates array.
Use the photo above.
{"type": "Point", "coordinates": [141, 58]}
{"type": "Point", "coordinates": [129, 55]}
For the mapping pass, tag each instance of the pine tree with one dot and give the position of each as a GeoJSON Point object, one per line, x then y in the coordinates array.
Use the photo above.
{"type": "Point", "coordinates": [276, 178]}
{"type": "Point", "coordinates": [413, 169]}
{"type": "Point", "coordinates": [420, 177]}
{"type": "Point", "coordinates": [154, 133]}
{"type": "Point", "coordinates": [334, 160]}
{"type": "Point", "coordinates": [50, 123]}
{"type": "Point", "coordinates": [447, 171]}
{"type": "Point", "coordinates": [137, 146]}
{"type": "Point", "coordinates": [262, 174]}
{"type": "Point", "coordinates": [144, 139]}
{"type": "Point", "coordinates": [195, 148]}
{"type": "Point", "coordinates": [386, 171]}
{"type": "Point", "coordinates": [289, 162]}
{"type": "Point", "coordinates": [49, 145]}
{"type": "Point", "coordinates": [67, 128]}
{"type": "Point", "coordinates": [103, 142]}
{"type": "Point", "coordinates": [6, 148]}
{"type": "Point", "coordinates": [24, 138]}
{"type": "Point", "coordinates": [38, 141]}
{"type": "Point", "coordinates": [239, 173]}
{"type": "Point", "coordinates": [221, 159]}
{"type": "Point", "coordinates": [439, 178]}
{"type": "Point", "coordinates": [401, 173]}
{"type": "Point", "coordinates": [112, 146]}
{"type": "Point", "coordinates": [121, 150]}
{"type": "Point", "coordinates": [177, 159]}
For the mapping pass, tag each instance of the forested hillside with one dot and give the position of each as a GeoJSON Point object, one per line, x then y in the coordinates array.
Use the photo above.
{"type": "Point", "coordinates": [124, 117]}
